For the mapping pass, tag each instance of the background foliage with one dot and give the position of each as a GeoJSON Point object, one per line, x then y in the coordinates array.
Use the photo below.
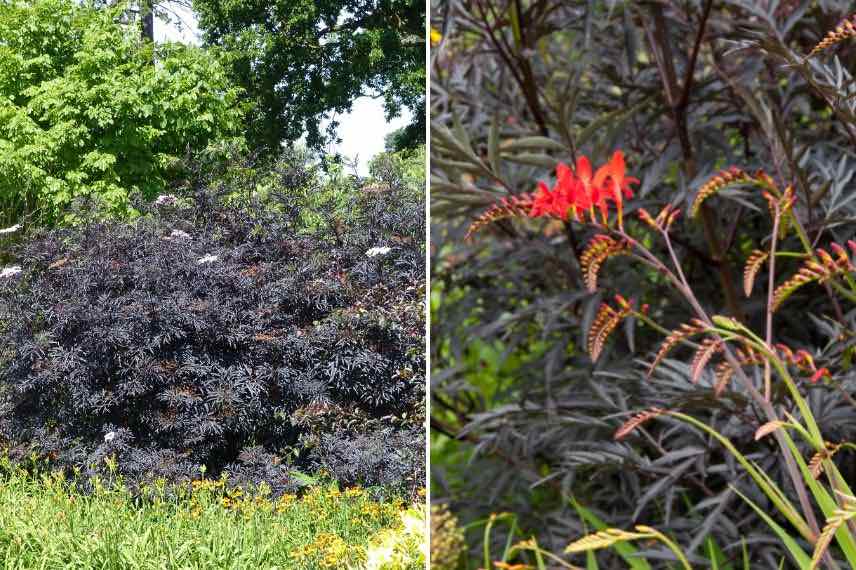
{"type": "Point", "coordinates": [90, 112]}
{"type": "Point", "coordinates": [523, 420]}
{"type": "Point", "coordinates": [301, 61]}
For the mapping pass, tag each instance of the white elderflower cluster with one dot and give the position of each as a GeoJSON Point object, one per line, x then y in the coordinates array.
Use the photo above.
{"type": "Point", "coordinates": [10, 271]}
{"type": "Point", "coordinates": [378, 251]}
{"type": "Point", "coordinates": [208, 259]}
{"type": "Point", "coordinates": [166, 200]}
{"type": "Point", "coordinates": [178, 234]}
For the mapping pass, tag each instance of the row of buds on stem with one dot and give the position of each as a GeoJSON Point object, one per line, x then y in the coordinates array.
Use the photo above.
{"type": "Point", "coordinates": [846, 29]}
{"type": "Point", "coordinates": [664, 220]}
{"type": "Point", "coordinates": [605, 321]}
{"type": "Point", "coordinates": [827, 266]}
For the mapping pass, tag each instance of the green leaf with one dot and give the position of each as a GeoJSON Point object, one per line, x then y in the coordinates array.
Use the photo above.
{"type": "Point", "coordinates": [541, 160]}
{"type": "Point", "coordinates": [533, 143]}
{"type": "Point", "coordinates": [627, 551]}
{"type": "Point", "coordinates": [493, 144]}
{"type": "Point", "coordinates": [799, 555]}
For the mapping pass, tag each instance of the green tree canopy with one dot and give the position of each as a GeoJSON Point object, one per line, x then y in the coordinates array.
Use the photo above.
{"type": "Point", "coordinates": [302, 60]}
{"type": "Point", "coordinates": [84, 112]}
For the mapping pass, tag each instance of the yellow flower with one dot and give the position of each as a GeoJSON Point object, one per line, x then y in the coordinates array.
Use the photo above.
{"type": "Point", "coordinates": [287, 499]}
{"type": "Point", "coordinates": [436, 36]}
{"type": "Point", "coordinates": [400, 547]}
{"type": "Point", "coordinates": [447, 538]}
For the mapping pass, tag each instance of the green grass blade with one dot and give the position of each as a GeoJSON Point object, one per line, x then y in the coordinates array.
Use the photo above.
{"type": "Point", "coordinates": [591, 561]}
{"type": "Point", "coordinates": [711, 553]}
{"type": "Point", "coordinates": [539, 560]}
{"type": "Point", "coordinates": [827, 504]}
{"type": "Point", "coordinates": [718, 559]}
{"type": "Point", "coordinates": [802, 559]}
{"type": "Point", "coordinates": [766, 484]}
{"type": "Point", "coordinates": [486, 546]}
{"type": "Point", "coordinates": [509, 542]}
{"type": "Point", "coordinates": [625, 550]}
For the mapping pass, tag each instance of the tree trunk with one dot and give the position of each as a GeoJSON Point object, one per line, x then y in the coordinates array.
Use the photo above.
{"type": "Point", "coordinates": [147, 13]}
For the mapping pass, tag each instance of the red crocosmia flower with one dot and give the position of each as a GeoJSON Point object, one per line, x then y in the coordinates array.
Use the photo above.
{"type": "Point", "coordinates": [557, 202]}
{"type": "Point", "coordinates": [579, 191]}
{"type": "Point", "coordinates": [804, 359]}
{"type": "Point", "coordinates": [538, 202]}
{"type": "Point", "coordinates": [548, 203]}
{"type": "Point", "coordinates": [568, 189]}
{"type": "Point", "coordinates": [590, 194]}
{"type": "Point", "coordinates": [616, 186]}
{"type": "Point", "coordinates": [612, 177]}
{"type": "Point", "coordinates": [819, 373]}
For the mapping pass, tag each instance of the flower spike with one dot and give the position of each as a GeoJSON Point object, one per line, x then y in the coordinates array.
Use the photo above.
{"type": "Point", "coordinates": [598, 250]}
{"type": "Point", "coordinates": [676, 336]}
{"type": "Point", "coordinates": [630, 425]}
{"type": "Point", "coordinates": [846, 29]}
{"type": "Point", "coordinates": [815, 466]}
{"type": "Point", "coordinates": [664, 220]}
{"type": "Point", "coordinates": [508, 207]}
{"type": "Point", "coordinates": [708, 348]}
{"type": "Point", "coordinates": [604, 323]}
{"type": "Point", "coordinates": [729, 177]}
{"type": "Point", "coordinates": [828, 267]}
{"type": "Point", "coordinates": [735, 176]}
{"type": "Point", "coordinates": [753, 266]}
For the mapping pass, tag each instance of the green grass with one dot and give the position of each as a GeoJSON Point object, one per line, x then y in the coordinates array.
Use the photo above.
{"type": "Point", "coordinates": [46, 524]}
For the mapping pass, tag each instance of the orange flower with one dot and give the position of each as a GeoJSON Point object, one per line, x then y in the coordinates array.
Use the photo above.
{"type": "Point", "coordinates": [616, 185]}
{"type": "Point", "coordinates": [579, 191]}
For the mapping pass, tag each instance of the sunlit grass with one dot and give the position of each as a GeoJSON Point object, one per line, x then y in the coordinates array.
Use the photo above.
{"type": "Point", "coordinates": [46, 523]}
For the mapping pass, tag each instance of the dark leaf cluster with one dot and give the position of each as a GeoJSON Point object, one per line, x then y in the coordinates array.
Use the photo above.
{"type": "Point", "coordinates": [217, 335]}
{"type": "Point", "coordinates": [685, 90]}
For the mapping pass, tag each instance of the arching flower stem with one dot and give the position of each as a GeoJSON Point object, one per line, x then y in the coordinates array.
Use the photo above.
{"type": "Point", "coordinates": [771, 287]}
{"type": "Point", "coordinates": [783, 438]}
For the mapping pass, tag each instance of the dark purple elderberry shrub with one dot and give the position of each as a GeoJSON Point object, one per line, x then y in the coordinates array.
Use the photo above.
{"type": "Point", "coordinates": [206, 334]}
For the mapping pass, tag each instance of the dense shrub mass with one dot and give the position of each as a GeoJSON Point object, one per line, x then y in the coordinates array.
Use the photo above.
{"type": "Point", "coordinates": [221, 336]}
{"type": "Point", "coordinates": [529, 386]}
